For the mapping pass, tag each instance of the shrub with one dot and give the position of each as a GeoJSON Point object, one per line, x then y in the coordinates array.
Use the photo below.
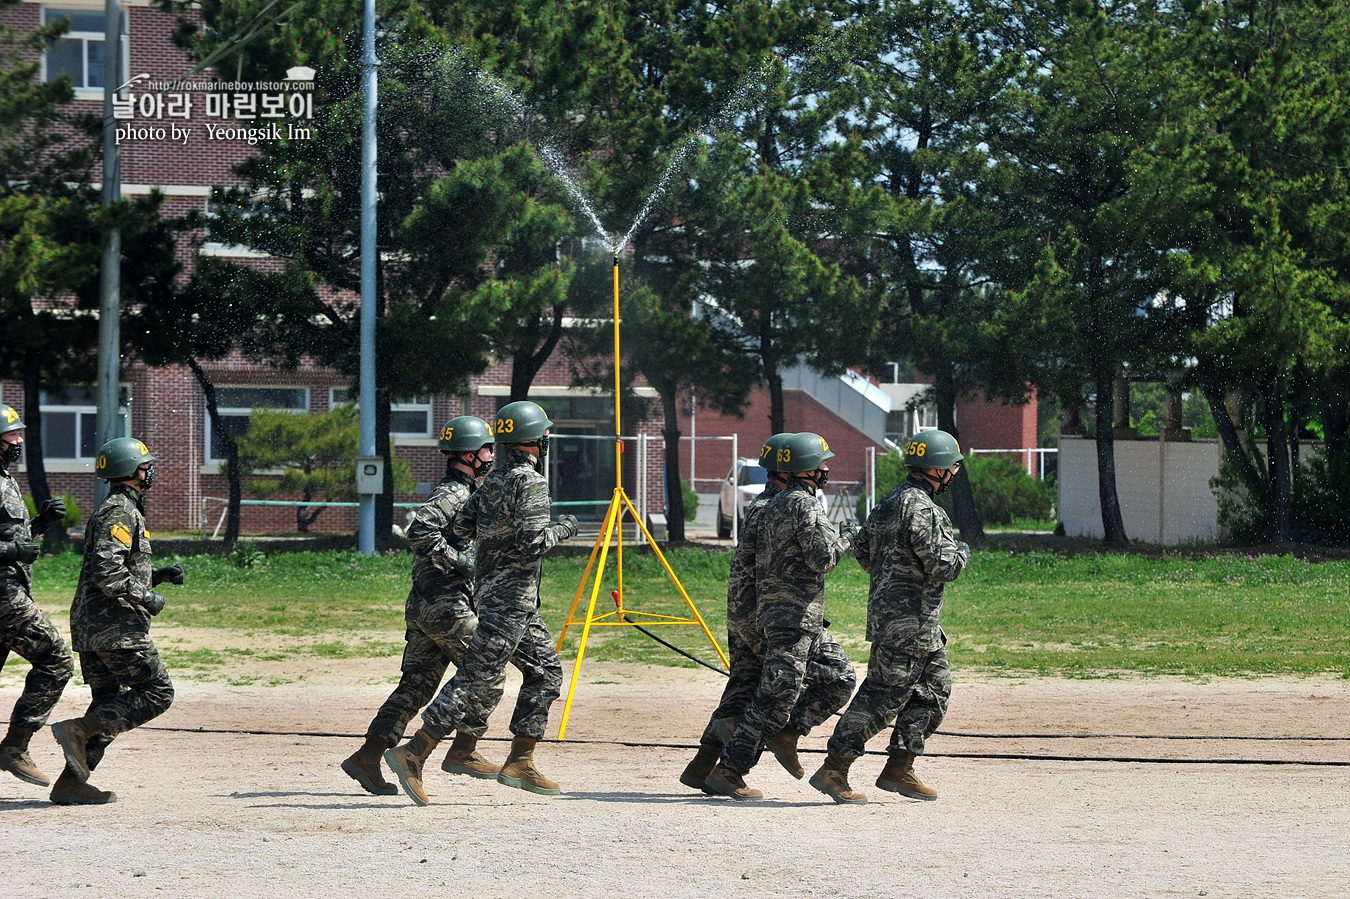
{"type": "Point", "coordinates": [690, 501]}
{"type": "Point", "coordinates": [1317, 513]}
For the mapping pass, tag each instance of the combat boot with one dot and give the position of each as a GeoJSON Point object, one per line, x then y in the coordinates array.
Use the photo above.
{"type": "Point", "coordinates": [726, 727]}
{"type": "Point", "coordinates": [832, 780]}
{"type": "Point", "coordinates": [464, 758]}
{"type": "Point", "coordinates": [696, 772]}
{"type": "Point", "coordinates": [73, 735]}
{"type": "Point", "coordinates": [898, 777]}
{"type": "Point", "coordinates": [725, 782]}
{"type": "Point", "coordinates": [15, 759]}
{"type": "Point", "coordinates": [520, 772]}
{"type": "Point", "coordinates": [407, 762]}
{"type": "Point", "coordinates": [69, 789]}
{"type": "Point", "coordinates": [783, 745]}
{"type": "Point", "coordinates": [363, 766]}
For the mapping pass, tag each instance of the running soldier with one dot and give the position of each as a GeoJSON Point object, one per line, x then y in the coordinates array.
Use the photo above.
{"type": "Point", "coordinates": [796, 546]}
{"type": "Point", "coordinates": [509, 518]}
{"type": "Point", "coordinates": [745, 646]}
{"type": "Point", "coordinates": [110, 623]}
{"type": "Point", "coordinates": [24, 628]}
{"type": "Point", "coordinates": [439, 613]}
{"type": "Point", "coordinates": [908, 547]}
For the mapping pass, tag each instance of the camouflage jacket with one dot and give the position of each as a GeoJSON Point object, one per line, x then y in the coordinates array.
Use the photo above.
{"type": "Point", "coordinates": [14, 528]}
{"type": "Point", "coordinates": [436, 548]}
{"type": "Point", "coordinates": [108, 611]}
{"type": "Point", "coordinates": [796, 545]}
{"type": "Point", "coordinates": [908, 547]}
{"type": "Point", "coordinates": [742, 597]}
{"type": "Point", "coordinates": [509, 518]}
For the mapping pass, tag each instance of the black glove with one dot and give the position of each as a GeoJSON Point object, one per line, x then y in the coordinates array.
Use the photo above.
{"type": "Point", "coordinates": [23, 551]}
{"type": "Point", "coordinates": [464, 564]}
{"type": "Point", "coordinates": [171, 573]}
{"type": "Point", "coordinates": [848, 530]}
{"type": "Point", "coordinates": [53, 510]}
{"type": "Point", "coordinates": [152, 602]}
{"type": "Point", "coordinates": [570, 526]}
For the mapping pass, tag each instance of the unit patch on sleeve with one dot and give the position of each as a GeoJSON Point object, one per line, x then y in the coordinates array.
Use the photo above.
{"type": "Point", "coordinates": [122, 535]}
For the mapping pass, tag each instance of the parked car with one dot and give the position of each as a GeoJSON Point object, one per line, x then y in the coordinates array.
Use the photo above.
{"type": "Point", "coordinates": [739, 488]}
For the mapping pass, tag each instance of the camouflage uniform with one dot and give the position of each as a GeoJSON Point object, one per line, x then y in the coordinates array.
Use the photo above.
{"type": "Point", "coordinates": [439, 612]}
{"type": "Point", "coordinates": [110, 625]}
{"type": "Point", "coordinates": [509, 517]}
{"type": "Point", "coordinates": [795, 546]}
{"type": "Point", "coordinates": [911, 552]}
{"type": "Point", "coordinates": [24, 628]}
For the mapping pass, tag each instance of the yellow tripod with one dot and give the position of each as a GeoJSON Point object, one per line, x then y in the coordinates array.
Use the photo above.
{"type": "Point", "coordinates": [613, 530]}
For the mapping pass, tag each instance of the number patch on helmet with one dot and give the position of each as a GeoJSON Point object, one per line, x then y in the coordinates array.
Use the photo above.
{"type": "Point", "coordinates": [448, 433]}
{"type": "Point", "coordinates": [916, 449]}
{"type": "Point", "coordinates": [506, 425]}
{"type": "Point", "coordinates": [785, 454]}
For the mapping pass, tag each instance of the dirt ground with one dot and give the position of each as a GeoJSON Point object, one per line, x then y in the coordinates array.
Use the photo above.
{"type": "Point", "coordinates": [1055, 788]}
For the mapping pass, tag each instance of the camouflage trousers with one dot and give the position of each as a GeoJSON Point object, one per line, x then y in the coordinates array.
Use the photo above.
{"type": "Point", "coordinates": [827, 684]}
{"type": "Point", "coordinates": [906, 685]}
{"type": "Point", "coordinates": [805, 679]}
{"type": "Point", "coordinates": [437, 635]}
{"type": "Point", "coordinates": [29, 634]}
{"type": "Point", "coordinates": [128, 687]}
{"type": "Point", "coordinates": [518, 637]}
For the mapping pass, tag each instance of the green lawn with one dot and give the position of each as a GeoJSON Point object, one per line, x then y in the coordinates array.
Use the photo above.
{"type": "Point", "coordinates": [1087, 615]}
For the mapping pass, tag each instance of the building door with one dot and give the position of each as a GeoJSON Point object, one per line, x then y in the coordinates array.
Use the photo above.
{"type": "Point", "coordinates": [582, 469]}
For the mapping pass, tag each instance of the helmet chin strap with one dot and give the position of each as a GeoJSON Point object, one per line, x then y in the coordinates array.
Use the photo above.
{"type": "Point", "coordinates": [944, 480]}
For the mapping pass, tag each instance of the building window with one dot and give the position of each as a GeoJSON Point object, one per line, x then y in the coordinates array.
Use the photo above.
{"type": "Point", "coordinates": [79, 52]}
{"type": "Point", "coordinates": [236, 404]}
{"type": "Point", "coordinates": [69, 422]}
{"type": "Point", "coordinates": [409, 418]}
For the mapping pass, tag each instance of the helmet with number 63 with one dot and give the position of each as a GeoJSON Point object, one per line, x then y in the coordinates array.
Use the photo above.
{"type": "Point", "coordinates": [768, 457]}
{"type": "Point", "coordinates": [803, 452]}
{"type": "Point", "coordinates": [932, 449]}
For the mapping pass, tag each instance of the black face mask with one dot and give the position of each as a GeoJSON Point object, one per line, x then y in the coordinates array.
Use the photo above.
{"type": "Point", "coordinates": [149, 477]}
{"type": "Point", "coordinates": [12, 452]}
{"type": "Point", "coordinates": [542, 443]}
{"type": "Point", "coordinates": [479, 465]}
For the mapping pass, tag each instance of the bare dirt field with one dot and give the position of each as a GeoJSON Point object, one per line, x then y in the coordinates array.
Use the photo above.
{"type": "Point", "coordinates": [1055, 788]}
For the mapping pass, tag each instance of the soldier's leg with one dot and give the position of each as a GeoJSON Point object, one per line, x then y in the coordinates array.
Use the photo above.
{"type": "Point", "coordinates": [926, 705]}
{"type": "Point", "coordinates": [786, 651]}
{"type": "Point", "coordinates": [891, 677]}
{"type": "Point", "coordinates": [454, 627]}
{"type": "Point", "coordinates": [538, 662]}
{"type": "Point", "coordinates": [747, 666]}
{"type": "Point", "coordinates": [473, 693]}
{"type": "Point", "coordinates": [830, 680]}
{"type": "Point", "coordinates": [144, 689]}
{"type": "Point", "coordinates": [30, 634]}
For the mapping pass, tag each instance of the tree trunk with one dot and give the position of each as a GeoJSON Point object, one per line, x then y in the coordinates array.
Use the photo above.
{"type": "Point", "coordinates": [38, 487]}
{"type": "Point", "coordinates": [670, 433]}
{"type": "Point", "coordinates": [1277, 452]}
{"type": "Point", "coordinates": [384, 503]}
{"type": "Point", "coordinates": [966, 518]}
{"type": "Point", "coordinates": [527, 362]}
{"type": "Point", "coordinates": [1251, 478]}
{"type": "Point", "coordinates": [1331, 399]}
{"type": "Point", "coordinates": [1113, 524]}
{"type": "Point", "coordinates": [232, 471]}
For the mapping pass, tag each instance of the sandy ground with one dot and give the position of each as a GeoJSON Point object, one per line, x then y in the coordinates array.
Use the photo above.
{"type": "Point", "coordinates": [1056, 788]}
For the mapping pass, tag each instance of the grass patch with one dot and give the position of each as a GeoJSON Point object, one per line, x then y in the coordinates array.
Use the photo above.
{"type": "Point", "coordinates": [1088, 615]}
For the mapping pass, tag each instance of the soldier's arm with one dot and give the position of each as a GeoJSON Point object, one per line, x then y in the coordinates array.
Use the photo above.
{"type": "Point", "coordinates": [110, 572]}
{"type": "Point", "coordinates": [426, 535]}
{"type": "Point", "coordinates": [822, 547]}
{"type": "Point", "coordinates": [536, 533]}
{"type": "Point", "coordinates": [862, 544]}
{"type": "Point", "coordinates": [935, 544]}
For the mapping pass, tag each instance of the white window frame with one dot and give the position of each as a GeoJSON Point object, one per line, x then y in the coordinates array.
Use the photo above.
{"type": "Point", "coordinates": [236, 411]}
{"type": "Point", "coordinates": [79, 410]}
{"type": "Point", "coordinates": [86, 91]}
{"type": "Point", "coordinates": [421, 403]}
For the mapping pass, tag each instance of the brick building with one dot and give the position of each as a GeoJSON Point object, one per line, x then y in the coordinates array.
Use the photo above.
{"type": "Point", "coordinates": [186, 142]}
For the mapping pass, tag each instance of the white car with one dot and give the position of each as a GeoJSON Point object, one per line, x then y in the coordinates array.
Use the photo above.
{"type": "Point", "coordinates": [739, 488]}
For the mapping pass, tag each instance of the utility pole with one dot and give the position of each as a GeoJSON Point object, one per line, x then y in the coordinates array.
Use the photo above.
{"type": "Point", "coordinates": [110, 275]}
{"type": "Point", "coordinates": [370, 473]}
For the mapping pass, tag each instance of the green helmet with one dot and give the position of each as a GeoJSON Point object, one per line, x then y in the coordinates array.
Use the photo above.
{"type": "Point", "coordinates": [803, 452]}
{"type": "Point", "coordinates": [9, 419]}
{"type": "Point", "coordinates": [768, 457]}
{"type": "Point", "coordinates": [521, 422]}
{"type": "Point", "coordinates": [120, 457]}
{"type": "Point", "coordinates": [932, 449]}
{"type": "Point", "coordinates": [465, 434]}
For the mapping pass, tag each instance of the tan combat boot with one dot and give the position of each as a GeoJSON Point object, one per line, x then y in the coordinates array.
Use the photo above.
{"type": "Point", "coordinates": [69, 789]}
{"type": "Point", "coordinates": [700, 766]}
{"type": "Point", "coordinates": [464, 758]}
{"type": "Point", "coordinates": [725, 782]}
{"type": "Point", "coordinates": [73, 735]}
{"type": "Point", "coordinates": [898, 777]}
{"type": "Point", "coordinates": [520, 772]}
{"type": "Point", "coordinates": [783, 745]}
{"type": "Point", "coordinates": [832, 780]}
{"type": "Point", "coordinates": [15, 759]}
{"type": "Point", "coordinates": [407, 762]}
{"type": "Point", "coordinates": [363, 766]}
